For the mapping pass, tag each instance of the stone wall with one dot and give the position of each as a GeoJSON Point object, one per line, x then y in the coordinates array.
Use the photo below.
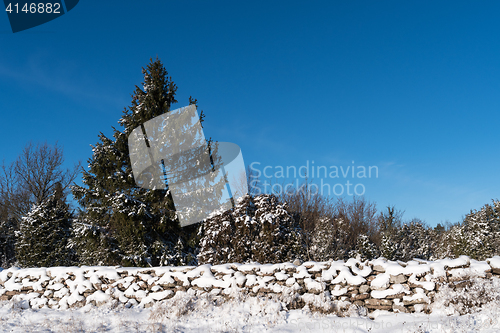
{"type": "Point", "coordinates": [324, 286]}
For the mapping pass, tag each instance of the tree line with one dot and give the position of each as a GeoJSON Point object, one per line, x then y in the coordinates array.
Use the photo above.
{"type": "Point", "coordinates": [118, 223]}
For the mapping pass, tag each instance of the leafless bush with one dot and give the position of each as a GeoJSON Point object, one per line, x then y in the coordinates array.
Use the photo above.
{"type": "Point", "coordinates": [468, 296]}
{"type": "Point", "coordinates": [359, 217]}
{"type": "Point", "coordinates": [331, 227]}
{"type": "Point", "coordinates": [32, 178]}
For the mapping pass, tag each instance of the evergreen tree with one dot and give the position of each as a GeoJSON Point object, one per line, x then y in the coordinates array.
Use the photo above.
{"type": "Point", "coordinates": [452, 242]}
{"type": "Point", "coordinates": [365, 248]}
{"type": "Point", "coordinates": [389, 223]}
{"type": "Point", "coordinates": [28, 181]}
{"type": "Point", "coordinates": [323, 240]}
{"type": "Point", "coordinates": [44, 233]}
{"type": "Point", "coordinates": [414, 241]}
{"type": "Point", "coordinates": [280, 238]}
{"type": "Point", "coordinates": [388, 246]}
{"type": "Point", "coordinates": [257, 230]}
{"type": "Point", "coordinates": [8, 228]}
{"type": "Point", "coordinates": [340, 238]}
{"type": "Point", "coordinates": [407, 241]}
{"type": "Point", "coordinates": [480, 231]}
{"type": "Point", "coordinates": [494, 218]}
{"type": "Point", "coordinates": [477, 236]}
{"type": "Point", "coordinates": [216, 243]}
{"type": "Point", "coordinates": [329, 239]}
{"type": "Point", "coordinates": [122, 223]}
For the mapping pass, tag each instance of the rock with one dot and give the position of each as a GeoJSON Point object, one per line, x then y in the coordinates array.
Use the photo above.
{"type": "Point", "coordinates": [378, 307]}
{"type": "Point", "coordinates": [155, 288]}
{"type": "Point", "coordinates": [148, 305]}
{"type": "Point", "coordinates": [399, 308]}
{"type": "Point", "coordinates": [379, 268]}
{"type": "Point", "coordinates": [352, 290]}
{"type": "Point", "coordinates": [415, 301]}
{"type": "Point", "coordinates": [399, 295]}
{"type": "Point", "coordinates": [373, 301]}
{"type": "Point", "coordinates": [360, 297]}
{"type": "Point", "coordinates": [364, 288]}
{"type": "Point", "coordinates": [400, 278]}
{"type": "Point", "coordinates": [381, 282]}
{"type": "Point", "coordinates": [297, 262]}
{"type": "Point", "coordinates": [77, 304]}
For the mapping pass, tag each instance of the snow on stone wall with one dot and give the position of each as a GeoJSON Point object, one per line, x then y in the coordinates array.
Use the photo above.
{"type": "Point", "coordinates": [325, 286]}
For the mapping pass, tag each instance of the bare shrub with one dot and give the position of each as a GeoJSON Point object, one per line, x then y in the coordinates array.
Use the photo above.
{"type": "Point", "coordinates": [331, 227]}
{"type": "Point", "coordinates": [310, 211]}
{"type": "Point", "coordinates": [468, 296]}
{"type": "Point", "coordinates": [33, 177]}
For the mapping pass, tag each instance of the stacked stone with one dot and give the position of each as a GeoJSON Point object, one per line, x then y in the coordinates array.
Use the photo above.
{"type": "Point", "coordinates": [323, 286]}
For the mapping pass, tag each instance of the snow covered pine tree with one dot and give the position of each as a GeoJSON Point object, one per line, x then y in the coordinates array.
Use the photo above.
{"type": "Point", "coordinates": [257, 230]}
{"type": "Point", "coordinates": [42, 239]}
{"type": "Point", "coordinates": [122, 223]}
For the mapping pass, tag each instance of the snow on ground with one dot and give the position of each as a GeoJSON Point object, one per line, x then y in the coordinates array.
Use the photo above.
{"type": "Point", "coordinates": [186, 313]}
{"type": "Point", "coordinates": [470, 304]}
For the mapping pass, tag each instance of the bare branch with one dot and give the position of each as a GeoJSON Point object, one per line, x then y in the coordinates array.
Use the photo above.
{"type": "Point", "coordinates": [32, 178]}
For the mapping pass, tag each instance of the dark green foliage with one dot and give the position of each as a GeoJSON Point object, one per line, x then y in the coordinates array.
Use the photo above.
{"type": "Point", "coordinates": [8, 228]}
{"type": "Point", "coordinates": [411, 240]}
{"type": "Point", "coordinates": [29, 181]}
{"type": "Point", "coordinates": [122, 223]}
{"type": "Point", "coordinates": [43, 235]}
{"type": "Point", "coordinates": [91, 244]}
{"type": "Point", "coordinates": [365, 248]}
{"type": "Point", "coordinates": [329, 240]}
{"type": "Point", "coordinates": [280, 237]}
{"type": "Point", "coordinates": [257, 230]}
{"type": "Point", "coordinates": [478, 235]}
{"type": "Point", "coordinates": [389, 222]}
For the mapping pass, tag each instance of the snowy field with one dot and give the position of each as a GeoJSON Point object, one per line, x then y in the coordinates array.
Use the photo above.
{"type": "Point", "coordinates": [185, 313]}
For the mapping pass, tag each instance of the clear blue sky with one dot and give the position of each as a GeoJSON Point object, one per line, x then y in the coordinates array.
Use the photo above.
{"type": "Point", "coordinates": [409, 87]}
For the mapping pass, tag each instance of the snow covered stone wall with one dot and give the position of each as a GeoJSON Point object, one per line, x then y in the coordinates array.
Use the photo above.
{"type": "Point", "coordinates": [324, 286]}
